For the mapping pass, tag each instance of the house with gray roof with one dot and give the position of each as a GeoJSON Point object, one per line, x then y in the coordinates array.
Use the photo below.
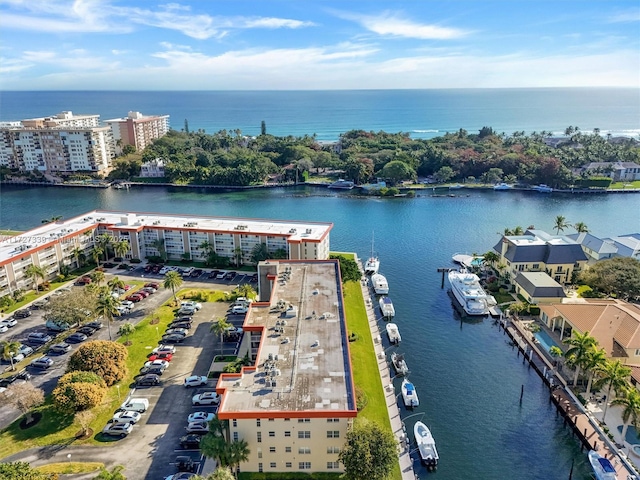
{"type": "Point", "coordinates": [538, 288]}
{"type": "Point", "coordinates": [604, 248]}
{"type": "Point", "coordinates": [538, 251]}
{"type": "Point", "coordinates": [617, 171]}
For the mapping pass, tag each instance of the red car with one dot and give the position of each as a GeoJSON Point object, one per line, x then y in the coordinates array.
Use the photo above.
{"type": "Point", "coordinates": [142, 293]}
{"type": "Point", "coordinates": [167, 356]}
{"type": "Point", "coordinates": [152, 285]}
{"type": "Point", "coordinates": [135, 297]}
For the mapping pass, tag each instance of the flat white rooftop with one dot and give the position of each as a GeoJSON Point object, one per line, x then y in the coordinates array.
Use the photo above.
{"type": "Point", "coordinates": [303, 363]}
{"type": "Point", "coordinates": [40, 236]}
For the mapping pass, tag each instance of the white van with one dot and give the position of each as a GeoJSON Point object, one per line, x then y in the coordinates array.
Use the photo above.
{"type": "Point", "coordinates": [238, 309]}
{"type": "Point", "coordinates": [139, 405]}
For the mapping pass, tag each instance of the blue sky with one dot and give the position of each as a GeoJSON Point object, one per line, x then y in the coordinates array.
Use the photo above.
{"type": "Point", "coordinates": [297, 44]}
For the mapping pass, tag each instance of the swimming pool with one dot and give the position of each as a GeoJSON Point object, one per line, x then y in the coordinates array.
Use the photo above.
{"type": "Point", "coordinates": [545, 340]}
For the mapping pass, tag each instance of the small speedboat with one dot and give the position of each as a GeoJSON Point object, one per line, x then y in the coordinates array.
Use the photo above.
{"type": "Point", "coordinates": [399, 365]}
{"type": "Point", "coordinates": [602, 467]}
{"type": "Point", "coordinates": [542, 188]}
{"type": "Point", "coordinates": [393, 333]}
{"type": "Point", "coordinates": [409, 394]}
{"type": "Point", "coordinates": [501, 187]}
{"type": "Point", "coordinates": [386, 307]}
{"type": "Point", "coordinates": [342, 184]}
{"type": "Point", "coordinates": [380, 284]}
{"type": "Point", "coordinates": [426, 445]}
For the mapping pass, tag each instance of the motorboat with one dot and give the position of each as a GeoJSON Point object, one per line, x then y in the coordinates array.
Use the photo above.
{"type": "Point", "coordinates": [386, 307]}
{"type": "Point", "coordinates": [501, 187]}
{"type": "Point", "coordinates": [542, 188]}
{"type": "Point", "coordinates": [380, 284]}
{"type": "Point", "coordinates": [399, 364]}
{"type": "Point", "coordinates": [409, 394]}
{"type": "Point", "coordinates": [393, 333]}
{"type": "Point", "coordinates": [373, 263]}
{"type": "Point", "coordinates": [455, 186]}
{"type": "Point", "coordinates": [342, 184]}
{"type": "Point", "coordinates": [602, 468]}
{"type": "Point", "coordinates": [426, 445]}
{"type": "Point", "coordinates": [466, 289]}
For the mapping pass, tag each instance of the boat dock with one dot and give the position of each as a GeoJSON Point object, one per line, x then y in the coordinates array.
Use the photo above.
{"type": "Point", "coordinates": [404, 441]}
{"type": "Point", "coordinates": [583, 424]}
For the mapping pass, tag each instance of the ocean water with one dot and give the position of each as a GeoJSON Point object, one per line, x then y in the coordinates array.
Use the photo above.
{"type": "Point", "coordinates": [467, 375]}
{"type": "Point", "coordinates": [327, 114]}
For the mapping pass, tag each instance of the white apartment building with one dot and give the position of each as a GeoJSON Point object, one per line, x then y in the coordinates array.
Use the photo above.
{"type": "Point", "coordinates": [138, 130]}
{"type": "Point", "coordinates": [295, 405]}
{"type": "Point", "coordinates": [153, 168]}
{"type": "Point", "coordinates": [233, 238]}
{"type": "Point", "coordinates": [62, 144]}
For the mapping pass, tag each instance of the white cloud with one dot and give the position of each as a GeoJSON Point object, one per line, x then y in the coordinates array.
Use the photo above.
{"type": "Point", "coordinates": [76, 60]}
{"type": "Point", "coordinates": [270, 22]}
{"type": "Point", "coordinates": [394, 25]}
{"type": "Point", "coordinates": [12, 65]}
{"type": "Point", "coordinates": [627, 16]}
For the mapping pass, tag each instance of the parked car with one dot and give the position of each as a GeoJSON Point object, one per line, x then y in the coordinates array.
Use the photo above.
{"type": "Point", "coordinates": [238, 310]}
{"type": "Point", "coordinates": [180, 324]}
{"type": "Point", "coordinates": [142, 293]}
{"type": "Point", "coordinates": [4, 328]}
{"type": "Point", "coordinates": [86, 330]}
{"type": "Point", "coordinates": [200, 417]}
{"type": "Point", "coordinates": [254, 278]}
{"type": "Point", "coordinates": [157, 363]}
{"type": "Point", "coordinates": [127, 303]}
{"type": "Point", "coordinates": [118, 429]}
{"type": "Point", "coordinates": [56, 326]}
{"type": "Point", "coordinates": [139, 405]}
{"type": "Point", "coordinates": [39, 304]}
{"type": "Point", "coordinates": [164, 348]}
{"type": "Point", "coordinates": [134, 298]}
{"type": "Point", "coordinates": [186, 311]}
{"type": "Point", "coordinates": [155, 285]}
{"type": "Point", "coordinates": [77, 337]}
{"type": "Point", "coordinates": [206, 398]}
{"type": "Point", "coordinates": [41, 363]}
{"type": "Point", "coordinates": [177, 331]}
{"type": "Point", "coordinates": [196, 273]}
{"type": "Point", "coordinates": [6, 381]}
{"type": "Point", "coordinates": [185, 464]}
{"type": "Point", "coordinates": [122, 310]}
{"type": "Point", "coordinates": [96, 325]}
{"type": "Point", "coordinates": [195, 381]}
{"type": "Point", "coordinates": [167, 356]}
{"type": "Point", "coordinates": [221, 274]}
{"type": "Point", "coordinates": [155, 370]}
{"type": "Point", "coordinates": [24, 313]}
{"type": "Point", "coordinates": [85, 280]}
{"type": "Point", "coordinates": [230, 276]}
{"type": "Point", "coordinates": [59, 348]}
{"type": "Point", "coordinates": [233, 331]}
{"type": "Point", "coordinates": [38, 338]}
{"type": "Point", "coordinates": [172, 338]}
{"type": "Point", "coordinates": [190, 441]}
{"type": "Point", "coordinates": [198, 427]}
{"type": "Point", "coordinates": [9, 322]}
{"type": "Point", "coordinates": [189, 303]}
{"type": "Point", "coordinates": [148, 380]}
{"type": "Point", "coordinates": [25, 350]}
{"type": "Point", "coordinates": [214, 273]}
{"type": "Point", "coordinates": [126, 416]}
{"type": "Point", "coordinates": [149, 290]}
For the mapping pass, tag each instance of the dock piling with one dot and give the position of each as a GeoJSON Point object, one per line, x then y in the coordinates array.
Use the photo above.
{"type": "Point", "coordinates": [521, 393]}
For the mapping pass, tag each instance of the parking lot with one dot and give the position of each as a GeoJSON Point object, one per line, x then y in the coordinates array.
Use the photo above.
{"type": "Point", "coordinates": [149, 452]}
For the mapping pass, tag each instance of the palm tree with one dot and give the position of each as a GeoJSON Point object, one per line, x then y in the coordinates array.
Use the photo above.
{"type": "Point", "coordinates": [95, 254]}
{"type": "Point", "coordinates": [172, 280]}
{"type": "Point", "coordinates": [616, 376]}
{"type": "Point", "coordinates": [246, 290]}
{"type": "Point", "coordinates": [126, 329]}
{"type": "Point", "coordinates": [631, 413]}
{"type": "Point", "coordinates": [97, 277]}
{"type": "Point", "coordinates": [594, 361]}
{"type": "Point", "coordinates": [579, 345]}
{"type": "Point", "coordinates": [237, 256]}
{"type": "Point", "coordinates": [35, 272]}
{"type": "Point", "coordinates": [106, 306]}
{"type": "Point", "coordinates": [104, 241]}
{"type": "Point", "coordinates": [581, 227]}
{"type": "Point", "coordinates": [216, 447]}
{"type": "Point", "coordinates": [238, 453]}
{"type": "Point", "coordinates": [518, 231]}
{"type": "Point", "coordinates": [222, 473]}
{"type": "Point", "coordinates": [490, 258]}
{"type": "Point", "coordinates": [220, 327]}
{"type": "Point", "coordinates": [114, 283]}
{"type": "Point", "coordinates": [121, 248]}
{"type": "Point", "coordinates": [560, 224]}
{"type": "Point", "coordinates": [9, 348]}
{"type": "Point", "coordinates": [79, 255]}
{"type": "Point", "coordinates": [159, 246]}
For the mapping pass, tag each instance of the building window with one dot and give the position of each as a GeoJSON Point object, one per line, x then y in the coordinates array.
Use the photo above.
{"type": "Point", "coordinates": [536, 266]}
{"type": "Point", "coordinates": [259, 453]}
{"type": "Point", "coordinates": [287, 449]}
{"type": "Point", "coordinates": [304, 466]}
{"type": "Point", "coordinates": [304, 420]}
{"type": "Point", "coordinates": [333, 465]}
{"type": "Point", "coordinates": [272, 419]}
{"type": "Point", "coordinates": [272, 449]}
{"type": "Point", "coordinates": [272, 464]}
{"type": "Point", "coordinates": [259, 435]}
{"type": "Point", "coordinates": [235, 422]}
{"type": "Point", "coordinates": [304, 450]}
{"type": "Point", "coordinates": [637, 352]}
{"type": "Point", "coordinates": [333, 450]}
{"type": "Point", "coordinates": [304, 434]}
{"type": "Point", "coordinates": [333, 434]}
{"type": "Point", "coordinates": [559, 269]}
{"type": "Point", "coordinates": [257, 422]}
{"type": "Point", "coordinates": [288, 465]}
{"type": "Point", "coordinates": [272, 434]}
{"type": "Point", "coordinates": [260, 467]}
{"type": "Point", "coordinates": [287, 434]}
{"type": "Point", "coordinates": [287, 419]}
{"type": "Point", "coordinates": [333, 420]}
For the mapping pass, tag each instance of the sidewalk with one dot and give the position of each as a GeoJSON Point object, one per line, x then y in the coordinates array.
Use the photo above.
{"type": "Point", "coordinates": [404, 442]}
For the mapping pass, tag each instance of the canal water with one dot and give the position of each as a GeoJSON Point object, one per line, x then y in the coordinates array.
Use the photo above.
{"type": "Point", "coordinates": [467, 375]}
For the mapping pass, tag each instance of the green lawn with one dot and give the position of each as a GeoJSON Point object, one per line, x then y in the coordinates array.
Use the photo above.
{"type": "Point", "coordinates": [10, 232]}
{"type": "Point", "coordinates": [624, 185]}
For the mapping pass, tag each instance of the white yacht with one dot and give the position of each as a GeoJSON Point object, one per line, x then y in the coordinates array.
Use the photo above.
{"type": "Point", "coordinates": [373, 263]}
{"type": "Point", "coordinates": [409, 394]}
{"type": "Point", "coordinates": [380, 284]}
{"type": "Point", "coordinates": [393, 333]}
{"type": "Point", "coordinates": [426, 445]}
{"type": "Point", "coordinates": [466, 288]}
{"type": "Point", "coordinates": [386, 307]}
{"type": "Point", "coordinates": [342, 184]}
{"type": "Point", "coordinates": [501, 187]}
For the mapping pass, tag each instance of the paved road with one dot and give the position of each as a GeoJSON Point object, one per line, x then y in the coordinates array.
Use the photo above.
{"type": "Point", "coordinates": [149, 452]}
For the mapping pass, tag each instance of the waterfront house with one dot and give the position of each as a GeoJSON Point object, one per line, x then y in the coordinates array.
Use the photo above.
{"type": "Point", "coordinates": [615, 324]}
{"type": "Point", "coordinates": [538, 251]}
{"type": "Point", "coordinates": [153, 168]}
{"type": "Point", "coordinates": [595, 248]}
{"type": "Point", "coordinates": [617, 171]}
{"type": "Point", "coordinates": [538, 288]}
